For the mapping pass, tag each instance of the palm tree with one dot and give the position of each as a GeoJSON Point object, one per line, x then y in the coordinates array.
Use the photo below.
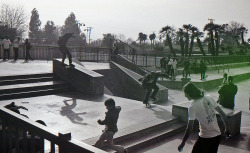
{"type": "Point", "coordinates": [140, 37]}
{"type": "Point", "coordinates": [210, 28]}
{"type": "Point", "coordinates": [180, 34]}
{"type": "Point", "coordinates": [243, 30]}
{"type": "Point", "coordinates": [152, 38]}
{"type": "Point", "coordinates": [144, 38]}
{"type": "Point", "coordinates": [193, 30]}
{"type": "Point", "coordinates": [187, 28]}
{"type": "Point", "coordinates": [167, 30]}
{"type": "Point", "coordinates": [199, 34]}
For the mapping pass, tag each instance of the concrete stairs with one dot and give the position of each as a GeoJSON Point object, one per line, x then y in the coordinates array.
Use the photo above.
{"type": "Point", "coordinates": [31, 85]}
{"type": "Point", "coordinates": [140, 136]}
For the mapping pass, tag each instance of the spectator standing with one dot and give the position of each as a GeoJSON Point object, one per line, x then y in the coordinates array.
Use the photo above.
{"type": "Point", "coordinates": [27, 49]}
{"type": "Point", "coordinates": [173, 64]}
{"type": "Point", "coordinates": [16, 46]}
{"type": "Point", "coordinates": [6, 47]}
{"type": "Point", "coordinates": [110, 123]}
{"type": "Point", "coordinates": [163, 64]}
{"type": "Point", "coordinates": [203, 108]}
{"type": "Point", "coordinates": [115, 52]}
{"type": "Point", "coordinates": [203, 69]}
{"type": "Point", "coordinates": [227, 94]}
{"type": "Point", "coordinates": [186, 70]}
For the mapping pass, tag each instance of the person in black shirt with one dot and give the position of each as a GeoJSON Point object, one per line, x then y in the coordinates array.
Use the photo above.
{"type": "Point", "coordinates": [227, 94]}
{"type": "Point", "coordinates": [62, 41]}
{"type": "Point", "coordinates": [27, 47]}
{"type": "Point", "coordinates": [149, 83]}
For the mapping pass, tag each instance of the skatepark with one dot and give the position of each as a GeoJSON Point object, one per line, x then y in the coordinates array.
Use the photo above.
{"type": "Point", "coordinates": [73, 111]}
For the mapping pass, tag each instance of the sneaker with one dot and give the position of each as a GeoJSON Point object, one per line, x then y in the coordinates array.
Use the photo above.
{"type": "Point", "coordinates": [71, 65]}
{"type": "Point", "coordinates": [148, 105]}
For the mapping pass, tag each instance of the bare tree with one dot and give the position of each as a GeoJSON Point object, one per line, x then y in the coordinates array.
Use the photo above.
{"type": "Point", "coordinates": [14, 17]}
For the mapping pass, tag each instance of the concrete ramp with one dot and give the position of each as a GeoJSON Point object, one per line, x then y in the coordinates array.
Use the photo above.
{"type": "Point", "coordinates": [81, 79]}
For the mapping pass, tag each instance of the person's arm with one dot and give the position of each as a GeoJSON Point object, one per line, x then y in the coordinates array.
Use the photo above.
{"type": "Point", "coordinates": [224, 119]}
{"type": "Point", "coordinates": [186, 135]}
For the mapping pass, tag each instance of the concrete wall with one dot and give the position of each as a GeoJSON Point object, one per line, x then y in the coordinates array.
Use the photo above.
{"type": "Point", "coordinates": [81, 79]}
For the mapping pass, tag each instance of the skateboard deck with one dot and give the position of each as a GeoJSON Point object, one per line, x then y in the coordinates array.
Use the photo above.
{"type": "Point", "coordinates": [68, 66]}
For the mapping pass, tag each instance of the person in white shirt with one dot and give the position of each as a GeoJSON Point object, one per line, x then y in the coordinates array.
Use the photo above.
{"type": "Point", "coordinates": [173, 63]}
{"type": "Point", "coordinates": [16, 46]}
{"type": "Point", "coordinates": [6, 47]}
{"type": "Point", "coordinates": [203, 108]}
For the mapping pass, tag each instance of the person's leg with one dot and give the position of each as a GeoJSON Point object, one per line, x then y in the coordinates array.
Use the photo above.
{"type": "Point", "coordinates": [26, 55]}
{"type": "Point", "coordinates": [8, 54]}
{"type": "Point", "coordinates": [69, 55]}
{"type": "Point", "coordinates": [213, 144]}
{"type": "Point", "coordinates": [101, 140]}
{"type": "Point", "coordinates": [146, 98]}
{"type": "Point", "coordinates": [199, 146]}
{"type": "Point", "coordinates": [109, 138]}
{"type": "Point", "coordinates": [156, 89]}
{"type": "Point", "coordinates": [4, 54]}
{"type": "Point", "coordinates": [15, 53]}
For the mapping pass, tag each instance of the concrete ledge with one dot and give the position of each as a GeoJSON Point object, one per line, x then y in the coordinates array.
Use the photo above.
{"type": "Point", "coordinates": [81, 79]}
{"type": "Point", "coordinates": [234, 117]}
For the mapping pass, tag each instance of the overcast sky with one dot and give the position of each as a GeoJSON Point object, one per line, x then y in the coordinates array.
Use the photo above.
{"type": "Point", "coordinates": [129, 17]}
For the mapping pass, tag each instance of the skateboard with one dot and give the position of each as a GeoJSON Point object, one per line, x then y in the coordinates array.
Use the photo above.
{"type": "Point", "coordinates": [148, 105]}
{"type": "Point", "coordinates": [68, 66]}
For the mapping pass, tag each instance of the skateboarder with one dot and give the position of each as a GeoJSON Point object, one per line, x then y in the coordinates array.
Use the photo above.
{"type": "Point", "coordinates": [149, 83]}
{"type": "Point", "coordinates": [62, 41]}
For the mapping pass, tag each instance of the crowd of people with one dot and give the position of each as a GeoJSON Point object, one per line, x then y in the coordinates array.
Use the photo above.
{"type": "Point", "coordinates": [169, 66]}
{"type": "Point", "coordinates": [6, 45]}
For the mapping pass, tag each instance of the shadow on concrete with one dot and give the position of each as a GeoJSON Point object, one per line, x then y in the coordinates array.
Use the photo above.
{"type": "Point", "coordinates": [78, 95]}
{"type": "Point", "coordinates": [240, 141]}
{"type": "Point", "coordinates": [67, 111]}
{"type": "Point", "coordinates": [160, 113]}
{"type": "Point", "coordinates": [13, 61]}
{"type": "Point", "coordinates": [2, 61]}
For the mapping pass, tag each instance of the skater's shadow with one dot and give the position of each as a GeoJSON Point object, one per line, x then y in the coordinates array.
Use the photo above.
{"type": "Point", "coordinates": [67, 111]}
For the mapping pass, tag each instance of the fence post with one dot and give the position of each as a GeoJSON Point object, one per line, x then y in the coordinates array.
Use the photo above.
{"type": "Point", "coordinates": [97, 54]}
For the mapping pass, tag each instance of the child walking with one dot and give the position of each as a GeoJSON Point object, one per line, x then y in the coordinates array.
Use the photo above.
{"type": "Point", "coordinates": [110, 123]}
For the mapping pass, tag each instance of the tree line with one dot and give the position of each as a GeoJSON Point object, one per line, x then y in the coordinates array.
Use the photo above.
{"type": "Point", "coordinates": [225, 37]}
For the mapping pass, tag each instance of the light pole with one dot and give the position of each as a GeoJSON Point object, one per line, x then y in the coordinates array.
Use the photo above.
{"type": "Point", "coordinates": [88, 31]}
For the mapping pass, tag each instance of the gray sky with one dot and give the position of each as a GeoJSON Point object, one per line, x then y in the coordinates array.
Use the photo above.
{"type": "Point", "coordinates": [129, 17]}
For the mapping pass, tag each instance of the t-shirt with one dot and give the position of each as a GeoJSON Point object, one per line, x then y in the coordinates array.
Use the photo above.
{"type": "Point", "coordinates": [6, 44]}
{"type": "Point", "coordinates": [203, 110]}
{"type": "Point", "coordinates": [17, 43]}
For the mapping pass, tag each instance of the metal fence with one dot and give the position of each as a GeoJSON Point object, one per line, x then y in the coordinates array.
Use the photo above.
{"type": "Point", "coordinates": [154, 61]}
{"type": "Point", "coordinates": [38, 52]}
{"type": "Point", "coordinates": [20, 134]}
